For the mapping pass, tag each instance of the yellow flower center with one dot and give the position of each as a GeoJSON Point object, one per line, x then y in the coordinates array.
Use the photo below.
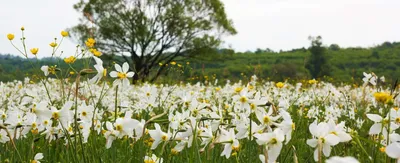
{"type": "Point", "coordinates": [149, 161]}
{"type": "Point", "coordinates": [121, 75]}
{"type": "Point", "coordinates": [56, 115]}
{"type": "Point", "coordinates": [119, 127]}
{"type": "Point", "coordinates": [34, 125]}
{"type": "Point", "coordinates": [243, 99]}
{"type": "Point", "coordinates": [266, 119]}
{"type": "Point", "coordinates": [164, 137]}
{"type": "Point", "coordinates": [84, 114]}
{"type": "Point", "coordinates": [398, 120]}
{"type": "Point", "coordinates": [273, 141]}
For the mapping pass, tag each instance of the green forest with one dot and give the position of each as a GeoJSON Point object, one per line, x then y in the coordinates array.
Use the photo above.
{"type": "Point", "coordinates": [346, 64]}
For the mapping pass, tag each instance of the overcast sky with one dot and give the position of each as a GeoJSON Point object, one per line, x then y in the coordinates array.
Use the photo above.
{"type": "Point", "coordinates": [275, 24]}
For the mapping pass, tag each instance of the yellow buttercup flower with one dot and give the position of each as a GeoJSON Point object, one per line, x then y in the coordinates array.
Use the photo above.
{"type": "Point", "coordinates": [10, 36]}
{"type": "Point", "coordinates": [64, 33]}
{"type": "Point", "coordinates": [90, 42]}
{"type": "Point", "coordinates": [70, 60]}
{"type": "Point", "coordinates": [95, 52]}
{"type": "Point", "coordinates": [280, 85]}
{"type": "Point", "coordinates": [173, 63]}
{"type": "Point", "coordinates": [383, 97]}
{"type": "Point", "coordinates": [312, 81]}
{"type": "Point", "coordinates": [34, 51]}
{"type": "Point", "coordinates": [53, 44]}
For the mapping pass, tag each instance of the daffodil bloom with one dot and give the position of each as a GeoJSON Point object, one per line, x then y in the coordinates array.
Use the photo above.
{"type": "Point", "coordinates": [34, 51]}
{"type": "Point", "coordinates": [101, 71]}
{"type": "Point", "coordinates": [53, 44]}
{"type": "Point", "coordinates": [381, 124]}
{"type": "Point", "coordinates": [393, 149]}
{"type": "Point", "coordinates": [337, 159]}
{"type": "Point", "coordinates": [37, 157]}
{"type": "Point", "coordinates": [64, 33]}
{"type": "Point", "coordinates": [369, 78]}
{"type": "Point", "coordinates": [45, 70]}
{"type": "Point", "coordinates": [229, 139]}
{"type": "Point", "coordinates": [152, 159]}
{"type": "Point", "coordinates": [272, 142]}
{"type": "Point", "coordinates": [158, 135]}
{"type": "Point", "coordinates": [322, 139]}
{"type": "Point", "coordinates": [10, 36]}
{"type": "Point", "coordinates": [122, 75]}
{"type": "Point", "coordinates": [70, 60]}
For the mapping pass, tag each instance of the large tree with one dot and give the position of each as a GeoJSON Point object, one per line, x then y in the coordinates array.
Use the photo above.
{"type": "Point", "coordinates": [317, 63]}
{"type": "Point", "coordinates": [146, 32]}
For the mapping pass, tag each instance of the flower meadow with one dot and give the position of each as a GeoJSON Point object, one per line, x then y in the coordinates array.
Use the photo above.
{"type": "Point", "coordinates": [99, 116]}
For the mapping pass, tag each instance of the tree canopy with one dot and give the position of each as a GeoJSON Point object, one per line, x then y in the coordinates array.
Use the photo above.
{"type": "Point", "coordinates": [147, 32]}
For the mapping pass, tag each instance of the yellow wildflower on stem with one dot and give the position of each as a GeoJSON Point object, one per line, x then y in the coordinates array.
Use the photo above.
{"type": "Point", "coordinates": [70, 60]}
{"type": "Point", "coordinates": [279, 85]}
{"type": "Point", "coordinates": [64, 33]}
{"type": "Point", "coordinates": [90, 42]}
{"type": "Point", "coordinates": [383, 97]}
{"type": "Point", "coordinates": [10, 36]}
{"type": "Point", "coordinates": [34, 51]}
{"type": "Point", "coordinates": [53, 44]}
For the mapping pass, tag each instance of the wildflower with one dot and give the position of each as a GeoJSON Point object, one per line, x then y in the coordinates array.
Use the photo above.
{"type": "Point", "coordinates": [337, 159]}
{"type": "Point", "coordinates": [230, 141]}
{"type": "Point", "coordinates": [173, 63]}
{"type": "Point", "coordinates": [279, 85]}
{"type": "Point", "coordinates": [45, 69]}
{"type": "Point", "coordinates": [101, 71]}
{"type": "Point", "coordinates": [369, 78]}
{"type": "Point", "coordinates": [322, 138]}
{"type": "Point", "coordinates": [10, 36]}
{"type": "Point", "coordinates": [70, 60]}
{"type": "Point", "coordinates": [64, 33]}
{"type": "Point", "coordinates": [380, 124]}
{"type": "Point", "coordinates": [95, 52]}
{"type": "Point", "coordinates": [122, 74]}
{"type": "Point", "coordinates": [382, 97]}
{"type": "Point", "coordinates": [158, 135]}
{"type": "Point", "coordinates": [90, 42]}
{"type": "Point", "coordinates": [313, 81]}
{"type": "Point", "coordinates": [152, 159]}
{"type": "Point", "coordinates": [53, 44]}
{"type": "Point", "coordinates": [34, 51]}
{"type": "Point", "coordinates": [393, 149]}
{"type": "Point", "coordinates": [273, 143]}
{"type": "Point", "coordinates": [3, 136]}
{"type": "Point", "coordinates": [37, 157]}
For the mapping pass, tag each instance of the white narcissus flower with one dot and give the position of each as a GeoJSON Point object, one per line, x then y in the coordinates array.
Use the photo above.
{"type": "Point", "coordinates": [152, 159]}
{"type": "Point", "coordinates": [101, 72]}
{"type": "Point", "coordinates": [380, 124]}
{"type": "Point", "coordinates": [339, 131]}
{"type": "Point", "coordinates": [393, 149]}
{"type": "Point", "coordinates": [37, 157]}
{"type": "Point", "coordinates": [3, 136]}
{"type": "Point", "coordinates": [45, 69]}
{"type": "Point", "coordinates": [272, 142]}
{"type": "Point", "coordinates": [322, 137]}
{"type": "Point", "coordinates": [158, 135]}
{"type": "Point", "coordinates": [230, 141]}
{"type": "Point", "coordinates": [337, 159]}
{"type": "Point", "coordinates": [122, 74]}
